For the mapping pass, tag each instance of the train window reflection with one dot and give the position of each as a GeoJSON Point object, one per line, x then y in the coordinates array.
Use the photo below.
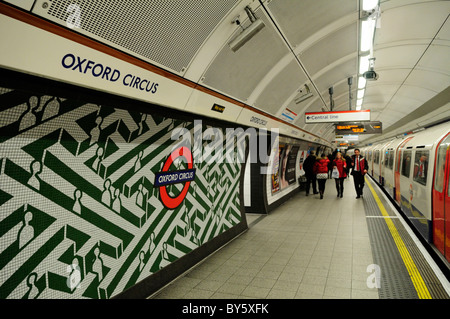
{"type": "Point", "coordinates": [391, 159]}
{"type": "Point", "coordinates": [386, 158]}
{"type": "Point", "coordinates": [376, 157]}
{"type": "Point", "coordinates": [406, 163]}
{"type": "Point", "coordinates": [440, 168]}
{"type": "Point", "coordinates": [421, 167]}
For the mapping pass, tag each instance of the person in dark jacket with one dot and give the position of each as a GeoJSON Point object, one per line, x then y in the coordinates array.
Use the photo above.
{"type": "Point", "coordinates": [308, 167]}
{"type": "Point", "coordinates": [348, 159]}
{"type": "Point", "coordinates": [359, 169]}
{"type": "Point", "coordinates": [330, 164]}
{"type": "Point", "coordinates": [331, 157]}
{"type": "Point", "coordinates": [321, 170]}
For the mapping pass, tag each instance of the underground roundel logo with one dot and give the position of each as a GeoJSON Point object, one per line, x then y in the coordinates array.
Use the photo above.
{"type": "Point", "coordinates": [167, 177]}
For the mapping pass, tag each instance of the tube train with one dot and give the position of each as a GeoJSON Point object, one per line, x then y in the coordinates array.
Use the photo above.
{"type": "Point", "coordinates": [414, 170]}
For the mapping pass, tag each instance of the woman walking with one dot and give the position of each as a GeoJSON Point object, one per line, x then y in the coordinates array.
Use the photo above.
{"type": "Point", "coordinates": [321, 169]}
{"type": "Point", "coordinates": [341, 165]}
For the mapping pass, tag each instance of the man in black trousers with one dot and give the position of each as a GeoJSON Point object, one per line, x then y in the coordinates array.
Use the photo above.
{"type": "Point", "coordinates": [359, 169]}
{"type": "Point", "coordinates": [308, 165]}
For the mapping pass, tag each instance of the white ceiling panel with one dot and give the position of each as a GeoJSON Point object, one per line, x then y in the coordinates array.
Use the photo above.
{"type": "Point", "coordinates": [282, 85]}
{"type": "Point", "coordinates": [336, 74]}
{"type": "Point", "coordinates": [399, 56]}
{"type": "Point", "coordinates": [238, 73]}
{"type": "Point", "coordinates": [434, 81]}
{"type": "Point", "coordinates": [318, 55]}
{"type": "Point", "coordinates": [436, 59]}
{"type": "Point", "coordinates": [413, 21]}
{"type": "Point", "coordinates": [301, 19]}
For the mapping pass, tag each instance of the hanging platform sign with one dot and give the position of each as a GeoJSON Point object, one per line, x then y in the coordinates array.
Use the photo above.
{"type": "Point", "coordinates": [347, 137]}
{"type": "Point", "coordinates": [333, 117]}
{"type": "Point", "coordinates": [359, 128]}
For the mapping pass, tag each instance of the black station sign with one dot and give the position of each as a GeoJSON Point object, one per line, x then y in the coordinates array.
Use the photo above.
{"type": "Point", "coordinates": [218, 108]}
{"type": "Point", "coordinates": [359, 128]}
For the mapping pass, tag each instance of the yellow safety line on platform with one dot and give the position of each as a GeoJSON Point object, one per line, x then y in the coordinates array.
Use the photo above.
{"type": "Point", "coordinates": [414, 273]}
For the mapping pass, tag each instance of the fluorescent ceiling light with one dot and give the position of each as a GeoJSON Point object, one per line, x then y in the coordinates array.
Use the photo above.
{"type": "Point", "coordinates": [363, 64]}
{"type": "Point", "coordinates": [368, 5]}
{"type": "Point", "coordinates": [359, 102]}
{"type": "Point", "coordinates": [358, 107]}
{"type": "Point", "coordinates": [361, 82]}
{"type": "Point", "coordinates": [367, 32]}
{"type": "Point", "coordinates": [360, 94]}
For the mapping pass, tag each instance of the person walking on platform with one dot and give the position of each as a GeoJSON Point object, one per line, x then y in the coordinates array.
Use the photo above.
{"type": "Point", "coordinates": [348, 160]}
{"type": "Point", "coordinates": [341, 167]}
{"type": "Point", "coordinates": [308, 167]}
{"type": "Point", "coordinates": [321, 170]}
{"type": "Point", "coordinates": [359, 169]}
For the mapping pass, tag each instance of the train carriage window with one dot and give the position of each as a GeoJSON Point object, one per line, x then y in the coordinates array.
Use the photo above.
{"type": "Point", "coordinates": [391, 159]}
{"type": "Point", "coordinates": [440, 167]}
{"type": "Point", "coordinates": [421, 167]}
{"type": "Point", "coordinates": [376, 157]}
{"type": "Point", "coordinates": [386, 159]}
{"type": "Point", "coordinates": [406, 163]}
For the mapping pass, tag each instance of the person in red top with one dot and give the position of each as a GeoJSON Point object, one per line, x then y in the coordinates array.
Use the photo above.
{"type": "Point", "coordinates": [321, 169]}
{"type": "Point", "coordinates": [341, 165]}
{"type": "Point", "coordinates": [359, 168]}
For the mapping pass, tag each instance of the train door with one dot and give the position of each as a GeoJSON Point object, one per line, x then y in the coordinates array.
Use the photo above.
{"type": "Point", "coordinates": [383, 161]}
{"type": "Point", "coordinates": [441, 198]}
{"type": "Point", "coordinates": [377, 165]}
{"type": "Point", "coordinates": [398, 158]}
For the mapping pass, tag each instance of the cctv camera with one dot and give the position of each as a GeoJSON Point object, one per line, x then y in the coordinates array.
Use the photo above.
{"type": "Point", "coordinates": [370, 75]}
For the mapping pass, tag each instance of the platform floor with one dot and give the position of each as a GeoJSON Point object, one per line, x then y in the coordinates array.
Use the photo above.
{"type": "Point", "coordinates": [308, 249]}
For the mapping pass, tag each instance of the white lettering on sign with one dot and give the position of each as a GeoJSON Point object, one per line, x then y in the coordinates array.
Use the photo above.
{"type": "Point", "coordinates": [344, 116]}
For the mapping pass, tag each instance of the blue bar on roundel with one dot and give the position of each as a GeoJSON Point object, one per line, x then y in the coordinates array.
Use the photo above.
{"type": "Point", "coordinates": [174, 177]}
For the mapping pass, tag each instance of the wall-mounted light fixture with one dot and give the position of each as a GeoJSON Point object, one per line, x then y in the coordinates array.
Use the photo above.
{"type": "Point", "coordinates": [306, 94]}
{"type": "Point", "coordinates": [247, 33]}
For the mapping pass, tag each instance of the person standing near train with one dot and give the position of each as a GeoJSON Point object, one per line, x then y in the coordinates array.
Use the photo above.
{"type": "Point", "coordinates": [341, 166]}
{"type": "Point", "coordinates": [321, 171]}
{"type": "Point", "coordinates": [359, 169]}
{"type": "Point", "coordinates": [308, 167]}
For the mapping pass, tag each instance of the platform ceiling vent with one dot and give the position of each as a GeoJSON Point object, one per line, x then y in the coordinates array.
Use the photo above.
{"type": "Point", "coordinates": [167, 33]}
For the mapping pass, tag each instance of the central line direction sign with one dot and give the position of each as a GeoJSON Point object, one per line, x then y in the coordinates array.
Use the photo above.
{"type": "Point", "coordinates": [334, 117]}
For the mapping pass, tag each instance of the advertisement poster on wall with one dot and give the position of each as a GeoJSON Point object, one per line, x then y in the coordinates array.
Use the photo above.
{"type": "Point", "coordinates": [301, 156]}
{"type": "Point", "coordinates": [291, 164]}
{"type": "Point", "coordinates": [287, 166]}
{"type": "Point", "coordinates": [276, 171]}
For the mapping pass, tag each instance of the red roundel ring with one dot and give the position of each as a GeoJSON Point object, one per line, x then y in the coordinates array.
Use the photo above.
{"type": "Point", "coordinates": [174, 202]}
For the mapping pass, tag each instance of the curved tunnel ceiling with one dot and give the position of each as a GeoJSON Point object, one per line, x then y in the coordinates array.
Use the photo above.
{"type": "Point", "coordinates": [308, 42]}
